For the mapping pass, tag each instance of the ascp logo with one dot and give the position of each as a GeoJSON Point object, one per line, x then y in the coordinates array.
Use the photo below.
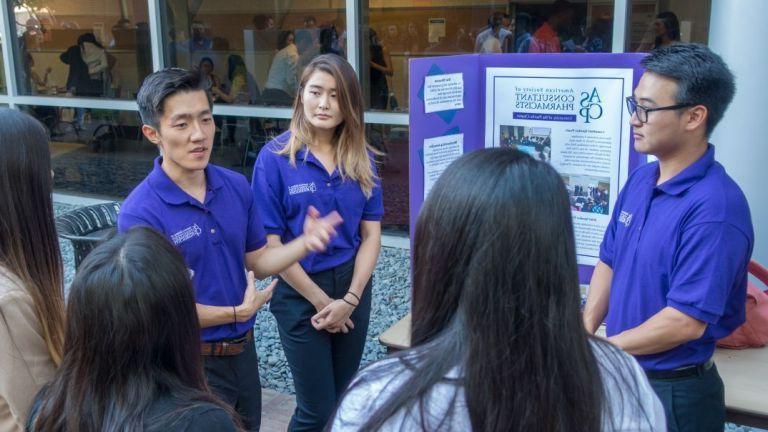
{"type": "Point", "coordinates": [591, 106]}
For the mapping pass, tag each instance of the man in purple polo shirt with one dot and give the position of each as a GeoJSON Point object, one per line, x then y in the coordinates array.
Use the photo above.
{"type": "Point", "coordinates": [209, 214]}
{"type": "Point", "coordinates": [672, 274]}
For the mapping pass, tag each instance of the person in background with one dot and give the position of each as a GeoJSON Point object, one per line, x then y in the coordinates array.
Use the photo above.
{"type": "Point", "coordinates": [88, 65]}
{"type": "Point", "coordinates": [496, 341]}
{"type": "Point", "coordinates": [672, 274]}
{"type": "Point", "coordinates": [380, 68]}
{"type": "Point", "coordinates": [413, 41]}
{"type": "Point", "coordinates": [393, 39]}
{"type": "Point", "coordinates": [243, 90]}
{"type": "Point", "coordinates": [598, 37]}
{"type": "Point", "coordinates": [30, 40]}
{"type": "Point", "coordinates": [308, 46]}
{"type": "Point", "coordinates": [507, 23]}
{"type": "Point", "coordinates": [266, 33]}
{"type": "Point", "coordinates": [495, 37]}
{"type": "Point", "coordinates": [122, 27]}
{"type": "Point", "coordinates": [131, 359]}
{"type": "Point", "coordinates": [282, 79]}
{"type": "Point", "coordinates": [462, 40]}
{"type": "Point", "coordinates": [545, 38]}
{"type": "Point", "coordinates": [322, 304]}
{"type": "Point", "coordinates": [208, 212]}
{"type": "Point", "coordinates": [663, 31]}
{"type": "Point", "coordinates": [310, 25]}
{"type": "Point", "coordinates": [38, 85]}
{"type": "Point", "coordinates": [200, 40]}
{"type": "Point", "coordinates": [207, 70]}
{"type": "Point", "coordinates": [31, 278]}
{"type": "Point", "coordinates": [330, 42]}
{"type": "Point", "coordinates": [242, 87]}
{"type": "Point", "coordinates": [667, 29]}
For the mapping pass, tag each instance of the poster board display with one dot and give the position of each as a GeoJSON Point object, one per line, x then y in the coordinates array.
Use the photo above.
{"type": "Point", "coordinates": [566, 110]}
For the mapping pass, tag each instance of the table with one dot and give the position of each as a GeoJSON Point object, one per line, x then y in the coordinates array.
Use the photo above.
{"type": "Point", "coordinates": [744, 373]}
{"type": "Point", "coordinates": [397, 337]}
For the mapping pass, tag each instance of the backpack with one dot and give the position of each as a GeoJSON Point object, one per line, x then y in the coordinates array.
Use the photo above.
{"type": "Point", "coordinates": [754, 332]}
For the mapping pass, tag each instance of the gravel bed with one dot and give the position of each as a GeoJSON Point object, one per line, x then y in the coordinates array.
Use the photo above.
{"type": "Point", "coordinates": [391, 301]}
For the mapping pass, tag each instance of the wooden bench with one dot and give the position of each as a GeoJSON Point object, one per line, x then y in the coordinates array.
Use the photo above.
{"type": "Point", "coordinates": [744, 373]}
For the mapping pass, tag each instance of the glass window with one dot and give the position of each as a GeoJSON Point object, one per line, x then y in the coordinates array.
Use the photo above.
{"type": "Point", "coordinates": [84, 48]}
{"type": "Point", "coordinates": [95, 152]}
{"type": "Point", "coordinates": [253, 52]}
{"type": "Point", "coordinates": [103, 152]}
{"type": "Point", "coordinates": [239, 140]}
{"type": "Point", "coordinates": [392, 142]}
{"type": "Point", "coordinates": [391, 32]}
{"type": "Point", "coordinates": [655, 23]}
{"type": "Point", "coordinates": [3, 87]}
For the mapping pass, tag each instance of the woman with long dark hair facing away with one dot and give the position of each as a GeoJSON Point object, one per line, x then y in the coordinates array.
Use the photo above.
{"type": "Point", "coordinates": [667, 29]}
{"type": "Point", "coordinates": [31, 299]}
{"type": "Point", "coordinates": [497, 340]}
{"type": "Point", "coordinates": [322, 304]}
{"type": "Point", "coordinates": [132, 346]}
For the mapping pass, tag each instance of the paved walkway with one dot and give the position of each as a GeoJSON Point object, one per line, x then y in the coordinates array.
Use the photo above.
{"type": "Point", "coordinates": [276, 410]}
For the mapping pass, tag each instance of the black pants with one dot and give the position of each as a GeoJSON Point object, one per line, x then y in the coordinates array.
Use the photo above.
{"type": "Point", "coordinates": [235, 379]}
{"type": "Point", "coordinates": [693, 404]}
{"type": "Point", "coordinates": [322, 363]}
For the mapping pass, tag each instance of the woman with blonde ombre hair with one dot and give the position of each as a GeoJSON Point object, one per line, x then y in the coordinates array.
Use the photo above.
{"type": "Point", "coordinates": [31, 299]}
{"type": "Point", "coordinates": [322, 165]}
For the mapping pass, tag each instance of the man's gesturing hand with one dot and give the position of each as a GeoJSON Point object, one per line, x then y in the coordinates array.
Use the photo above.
{"type": "Point", "coordinates": [318, 231]}
{"type": "Point", "coordinates": [254, 299]}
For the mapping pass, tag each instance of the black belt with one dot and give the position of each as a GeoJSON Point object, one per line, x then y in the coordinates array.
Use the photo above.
{"type": "Point", "coordinates": [683, 372]}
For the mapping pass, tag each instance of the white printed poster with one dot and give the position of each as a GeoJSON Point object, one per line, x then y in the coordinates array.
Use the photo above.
{"type": "Point", "coordinates": [443, 92]}
{"type": "Point", "coordinates": [575, 120]}
{"type": "Point", "coordinates": [439, 152]}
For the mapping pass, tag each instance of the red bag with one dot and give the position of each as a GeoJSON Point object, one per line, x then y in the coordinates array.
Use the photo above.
{"type": "Point", "coordinates": [754, 331]}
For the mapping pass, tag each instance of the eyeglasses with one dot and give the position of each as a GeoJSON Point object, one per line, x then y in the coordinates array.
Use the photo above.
{"type": "Point", "coordinates": [642, 112]}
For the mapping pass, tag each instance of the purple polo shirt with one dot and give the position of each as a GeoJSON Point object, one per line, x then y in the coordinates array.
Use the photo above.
{"type": "Point", "coordinates": [685, 244]}
{"type": "Point", "coordinates": [283, 193]}
{"type": "Point", "coordinates": [213, 236]}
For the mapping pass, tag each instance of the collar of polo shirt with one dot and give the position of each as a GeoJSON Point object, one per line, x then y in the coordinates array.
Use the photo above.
{"type": "Point", "coordinates": [689, 176]}
{"type": "Point", "coordinates": [170, 192]}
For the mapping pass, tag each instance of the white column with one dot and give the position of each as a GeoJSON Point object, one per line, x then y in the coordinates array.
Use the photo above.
{"type": "Point", "coordinates": [741, 138]}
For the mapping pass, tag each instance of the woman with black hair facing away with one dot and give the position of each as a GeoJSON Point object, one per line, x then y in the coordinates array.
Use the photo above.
{"type": "Point", "coordinates": [31, 300]}
{"type": "Point", "coordinates": [667, 29]}
{"type": "Point", "coordinates": [322, 304]}
{"type": "Point", "coordinates": [132, 351]}
{"type": "Point", "coordinates": [664, 30]}
{"type": "Point", "coordinates": [497, 340]}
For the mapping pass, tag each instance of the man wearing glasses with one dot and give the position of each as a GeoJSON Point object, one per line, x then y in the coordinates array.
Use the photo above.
{"type": "Point", "coordinates": [672, 274]}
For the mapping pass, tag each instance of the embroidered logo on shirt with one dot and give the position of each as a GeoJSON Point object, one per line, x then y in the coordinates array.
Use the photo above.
{"type": "Point", "coordinates": [625, 218]}
{"type": "Point", "coordinates": [186, 234]}
{"type": "Point", "coordinates": [302, 188]}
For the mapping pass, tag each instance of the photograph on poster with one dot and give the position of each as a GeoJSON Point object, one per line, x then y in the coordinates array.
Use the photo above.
{"type": "Point", "coordinates": [588, 194]}
{"type": "Point", "coordinates": [536, 141]}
